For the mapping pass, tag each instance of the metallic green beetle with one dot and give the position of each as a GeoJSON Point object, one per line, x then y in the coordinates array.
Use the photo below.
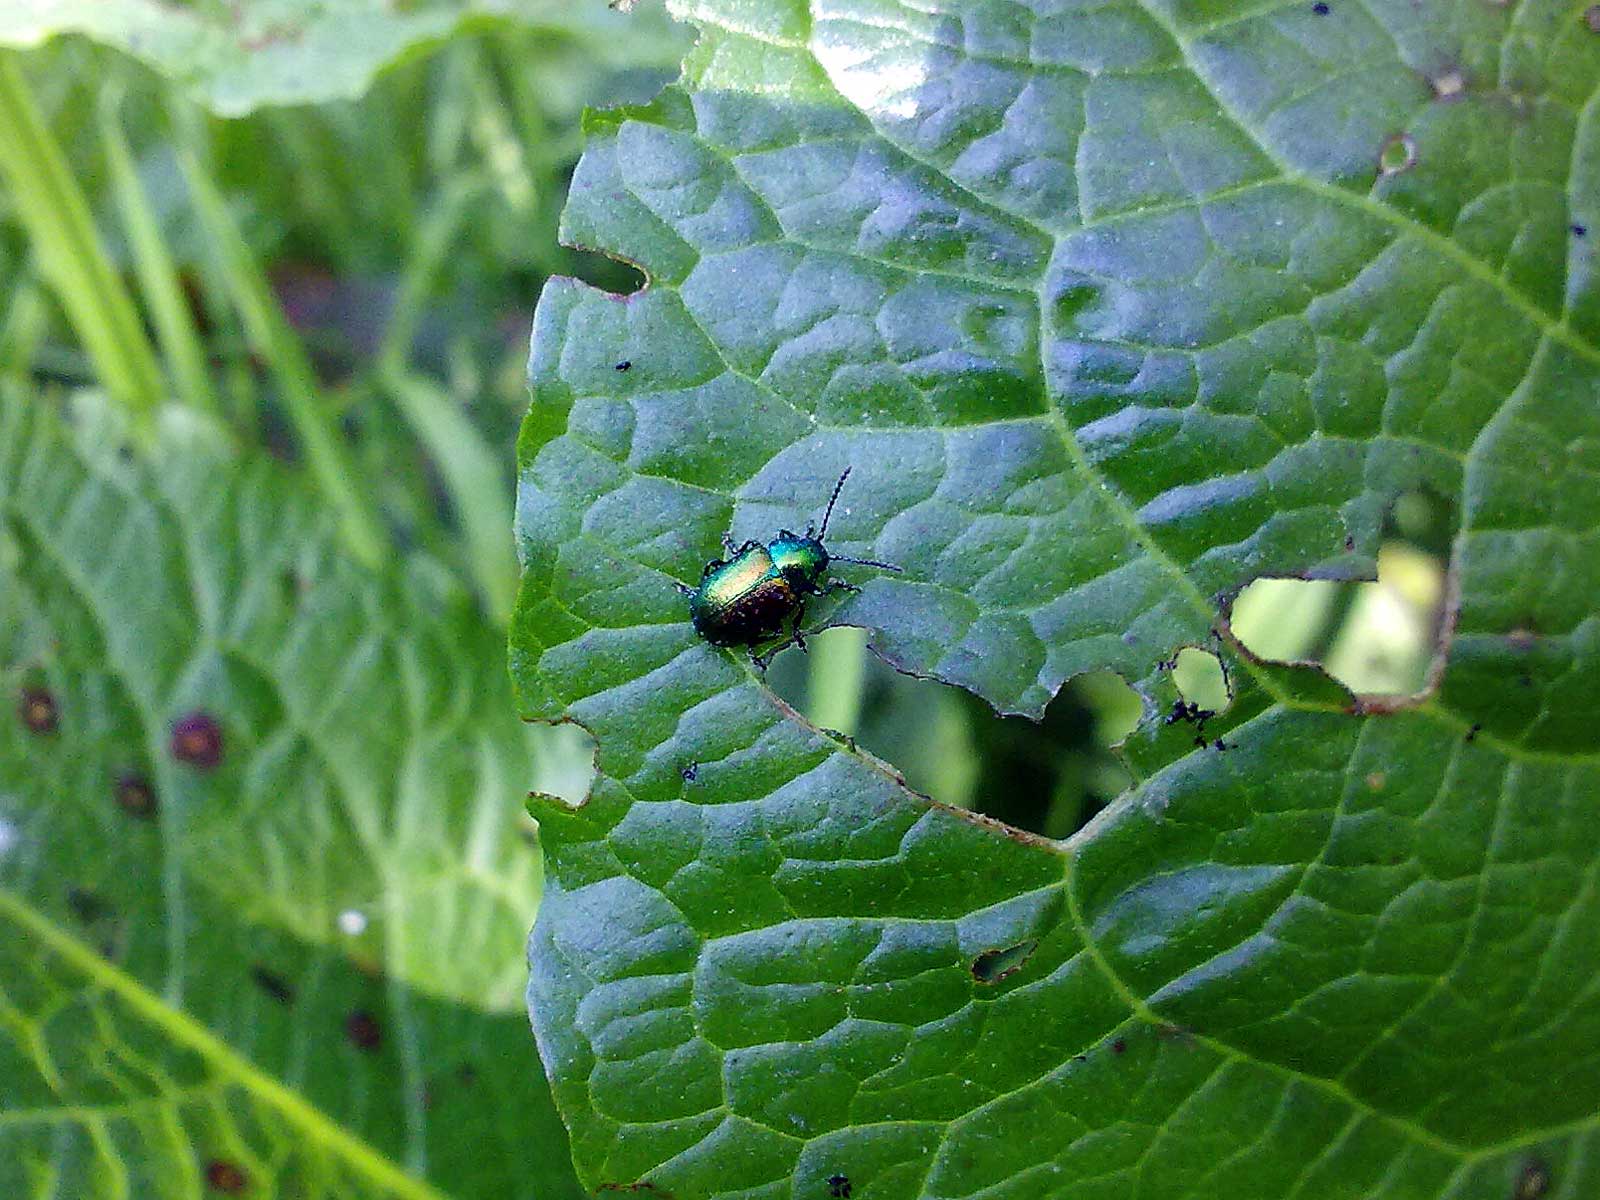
{"type": "Point", "coordinates": [748, 598]}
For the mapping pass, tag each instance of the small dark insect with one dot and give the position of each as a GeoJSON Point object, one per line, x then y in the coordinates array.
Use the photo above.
{"type": "Point", "coordinates": [690, 773]}
{"type": "Point", "coordinates": [1186, 710]}
{"type": "Point", "coordinates": [625, 364]}
{"type": "Point", "coordinates": [1472, 733]}
{"type": "Point", "coordinates": [1320, 8]}
{"type": "Point", "coordinates": [748, 598]}
{"type": "Point", "coordinates": [1579, 230]}
{"type": "Point", "coordinates": [839, 1186]}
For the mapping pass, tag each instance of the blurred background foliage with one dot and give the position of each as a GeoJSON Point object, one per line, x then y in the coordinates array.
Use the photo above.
{"type": "Point", "coordinates": [347, 287]}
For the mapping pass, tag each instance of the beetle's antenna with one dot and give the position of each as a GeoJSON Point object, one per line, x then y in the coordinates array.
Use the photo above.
{"type": "Point", "coordinates": [865, 562]}
{"type": "Point", "coordinates": [832, 500]}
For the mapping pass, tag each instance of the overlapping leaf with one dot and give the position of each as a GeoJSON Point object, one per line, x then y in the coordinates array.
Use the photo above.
{"type": "Point", "coordinates": [1112, 309]}
{"type": "Point", "coordinates": [261, 889]}
{"type": "Point", "coordinates": [238, 57]}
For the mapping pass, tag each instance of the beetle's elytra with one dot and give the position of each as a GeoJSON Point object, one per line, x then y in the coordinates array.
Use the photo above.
{"type": "Point", "coordinates": [750, 597]}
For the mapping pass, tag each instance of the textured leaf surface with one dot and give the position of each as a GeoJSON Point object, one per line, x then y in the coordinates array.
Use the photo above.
{"type": "Point", "coordinates": [1112, 308]}
{"type": "Point", "coordinates": [289, 950]}
{"type": "Point", "coordinates": [237, 57]}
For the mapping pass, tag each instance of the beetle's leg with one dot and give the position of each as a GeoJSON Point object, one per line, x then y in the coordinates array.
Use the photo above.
{"type": "Point", "coordinates": [839, 585]}
{"type": "Point", "coordinates": [728, 547]}
{"type": "Point", "coordinates": [683, 588]}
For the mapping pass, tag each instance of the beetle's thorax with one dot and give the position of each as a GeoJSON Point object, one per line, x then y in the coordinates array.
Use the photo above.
{"type": "Point", "coordinates": [800, 558]}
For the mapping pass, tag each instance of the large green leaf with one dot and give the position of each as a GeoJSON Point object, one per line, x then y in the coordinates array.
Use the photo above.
{"type": "Point", "coordinates": [1112, 309]}
{"type": "Point", "coordinates": [291, 950]}
{"type": "Point", "coordinates": [240, 56]}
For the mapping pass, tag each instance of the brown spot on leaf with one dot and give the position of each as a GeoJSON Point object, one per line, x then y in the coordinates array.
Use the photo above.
{"type": "Point", "coordinates": [135, 796]}
{"type": "Point", "coordinates": [226, 1177]}
{"type": "Point", "coordinates": [1533, 1181]}
{"type": "Point", "coordinates": [197, 740]}
{"type": "Point", "coordinates": [1376, 780]}
{"type": "Point", "coordinates": [36, 706]}
{"type": "Point", "coordinates": [1591, 18]}
{"type": "Point", "coordinates": [362, 1030]}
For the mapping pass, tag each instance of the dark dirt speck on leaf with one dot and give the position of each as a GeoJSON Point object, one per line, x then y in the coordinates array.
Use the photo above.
{"type": "Point", "coordinates": [1320, 8]}
{"type": "Point", "coordinates": [87, 905]}
{"type": "Point", "coordinates": [272, 984]}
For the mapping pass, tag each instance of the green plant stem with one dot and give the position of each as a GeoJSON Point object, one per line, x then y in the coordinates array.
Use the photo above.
{"type": "Point", "coordinates": [57, 218]}
{"type": "Point", "coordinates": [158, 276]}
{"type": "Point", "coordinates": [271, 336]}
{"type": "Point", "coordinates": [472, 473]}
{"type": "Point", "coordinates": [836, 672]}
{"type": "Point", "coordinates": [22, 324]}
{"type": "Point", "coordinates": [433, 241]}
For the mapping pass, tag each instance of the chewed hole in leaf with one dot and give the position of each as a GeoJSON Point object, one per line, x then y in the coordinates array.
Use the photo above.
{"type": "Point", "coordinates": [1397, 154]}
{"type": "Point", "coordinates": [1200, 680]}
{"type": "Point", "coordinates": [563, 761]}
{"type": "Point", "coordinates": [614, 275]}
{"type": "Point", "coordinates": [1047, 777]}
{"type": "Point", "coordinates": [1377, 638]}
{"type": "Point", "coordinates": [994, 965]}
